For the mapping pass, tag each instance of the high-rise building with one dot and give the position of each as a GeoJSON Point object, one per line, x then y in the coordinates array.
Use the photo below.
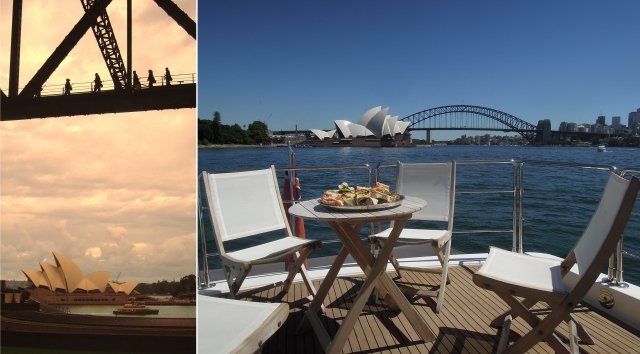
{"type": "Point", "coordinates": [634, 120]}
{"type": "Point", "coordinates": [615, 121]}
{"type": "Point", "coordinates": [601, 120]}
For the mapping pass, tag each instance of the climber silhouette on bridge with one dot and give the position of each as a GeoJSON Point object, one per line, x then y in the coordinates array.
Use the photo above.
{"type": "Point", "coordinates": [98, 84]}
{"type": "Point", "coordinates": [67, 88]}
{"type": "Point", "coordinates": [136, 81]}
{"type": "Point", "coordinates": [167, 76]}
{"type": "Point", "coordinates": [151, 79]}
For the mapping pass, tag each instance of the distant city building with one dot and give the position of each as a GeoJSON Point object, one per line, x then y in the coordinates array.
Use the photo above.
{"type": "Point", "coordinates": [572, 127]}
{"type": "Point", "coordinates": [601, 120]}
{"type": "Point", "coordinates": [615, 122]}
{"type": "Point", "coordinates": [634, 120]}
{"type": "Point", "coordinates": [563, 126]}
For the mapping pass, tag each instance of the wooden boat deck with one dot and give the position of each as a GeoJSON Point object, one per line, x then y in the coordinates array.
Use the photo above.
{"type": "Point", "coordinates": [461, 327]}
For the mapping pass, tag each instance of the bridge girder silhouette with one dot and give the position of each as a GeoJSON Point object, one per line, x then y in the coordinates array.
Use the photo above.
{"type": "Point", "coordinates": [28, 104]}
{"type": "Point", "coordinates": [466, 117]}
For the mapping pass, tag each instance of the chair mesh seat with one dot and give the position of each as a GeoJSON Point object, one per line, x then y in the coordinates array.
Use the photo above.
{"type": "Point", "coordinates": [269, 249]}
{"type": "Point", "coordinates": [532, 272]}
{"type": "Point", "coordinates": [416, 234]}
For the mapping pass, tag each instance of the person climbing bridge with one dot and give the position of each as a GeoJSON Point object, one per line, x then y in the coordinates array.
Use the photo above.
{"type": "Point", "coordinates": [67, 88]}
{"type": "Point", "coordinates": [151, 79]}
{"type": "Point", "coordinates": [98, 84]}
{"type": "Point", "coordinates": [167, 76]}
{"type": "Point", "coordinates": [136, 81]}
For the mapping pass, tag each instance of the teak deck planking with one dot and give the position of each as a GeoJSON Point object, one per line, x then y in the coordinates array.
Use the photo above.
{"type": "Point", "coordinates": [461, 327]}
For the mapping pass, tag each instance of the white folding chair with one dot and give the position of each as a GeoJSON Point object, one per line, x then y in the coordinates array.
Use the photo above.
{"type": "Point", "coordinates": [434, 182]}
{"type": "Point", "coordinates": [245, 204]}
{"type": "Point", "coordinates": [523, 280]}
{"type": "Point", "coordinates": [237, 327]}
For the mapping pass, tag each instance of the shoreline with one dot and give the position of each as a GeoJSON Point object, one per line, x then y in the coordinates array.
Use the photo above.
{"type": "Point", "coordinates": [226, 146]}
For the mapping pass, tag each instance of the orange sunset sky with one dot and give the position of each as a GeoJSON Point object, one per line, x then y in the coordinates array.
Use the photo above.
{"type": "Point", "coordinates": [113, 192]}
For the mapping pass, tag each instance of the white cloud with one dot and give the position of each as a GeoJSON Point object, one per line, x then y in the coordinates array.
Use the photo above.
{"type": "Point", "coordinates": [97, 188]}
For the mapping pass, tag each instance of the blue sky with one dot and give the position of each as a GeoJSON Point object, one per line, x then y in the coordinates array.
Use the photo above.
{"type": "Point", "coordinates": [308, 63]}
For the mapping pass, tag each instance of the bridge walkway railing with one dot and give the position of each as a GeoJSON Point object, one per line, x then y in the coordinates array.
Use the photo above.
{"type": "Point", "coordinates": [107, 84]}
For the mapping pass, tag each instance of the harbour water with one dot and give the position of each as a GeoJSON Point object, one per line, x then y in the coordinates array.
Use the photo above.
{"type": "Point", "coordinates": [168, 311]}
{"type": "Point", "coordinates": [558, 201]}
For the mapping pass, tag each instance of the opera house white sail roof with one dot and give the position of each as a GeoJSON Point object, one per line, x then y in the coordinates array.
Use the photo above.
{"type": "Point", "coordinates": [67, 277]}
{"type": "Point", "coordinates": [374, 122]}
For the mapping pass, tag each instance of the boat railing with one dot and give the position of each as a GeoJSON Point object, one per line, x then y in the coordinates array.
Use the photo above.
{"type": "Point", "coordinates": [374, 175]}
{"type": "Point", "coordinates": [514, 187]}
{"type": "Point", "coordinates": [615, 268]}
{"type": "Point", "coordinates": [511, 191]}
{"type": "Point", "coordinates": [621, 251]}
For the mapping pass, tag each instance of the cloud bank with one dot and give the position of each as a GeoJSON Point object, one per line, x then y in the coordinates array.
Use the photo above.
{"type": "Point", "coordinates": [113, 192]}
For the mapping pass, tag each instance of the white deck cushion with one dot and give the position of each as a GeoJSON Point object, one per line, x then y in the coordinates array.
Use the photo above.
{"type": "Point", "coordinates": [269, 249]}
{"type": "Point", "coordinates": [224, 325]}
{"type": "Point", "coordinates": [524, 270]}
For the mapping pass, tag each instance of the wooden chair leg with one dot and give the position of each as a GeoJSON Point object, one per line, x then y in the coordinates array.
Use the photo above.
{"type": "Point", "coordinates": [573, 338]}
{"type": "Point", "coordinates": [536, 334]}
{"type": "Point", "coordinates": [497, 322]}
{"type": "Point", "coordinates": [581, 331]}
{"type": "Point", "coordinates": [234, 286]}
{"type": "Point", "coordinates": [392, 259]}
{"type": "Point", "coordinates": [441, 257]}
{"type": "Point", "coordinates": [504, 335]}
{"type": "Point", "coordinates": [227, 274]}
{"type": "Point", "coordinates": [445, 276]}
{"type": "Point", "coordinates": [295, 269]}
{"type": "Point", "coordinates": [298, 267]}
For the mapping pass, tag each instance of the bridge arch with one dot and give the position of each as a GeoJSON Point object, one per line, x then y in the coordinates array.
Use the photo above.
{"type": "Point", "coordinates": [465, 117]}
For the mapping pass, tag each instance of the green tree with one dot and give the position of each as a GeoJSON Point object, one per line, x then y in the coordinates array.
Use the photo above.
{"type": "Point", "coordinates": [257, 133]}
{"type": "Point", "coordinates": [188, 283]}
{"type": "Point", "coordinates": [217, 128]}
{"type": "Point", "coordinates": [205, 131]}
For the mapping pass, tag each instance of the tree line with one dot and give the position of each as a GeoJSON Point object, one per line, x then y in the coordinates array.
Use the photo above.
{"type": "Point", "coordinates": [187, 284]}
{"type": "Point", "coordinates": [214, 132]}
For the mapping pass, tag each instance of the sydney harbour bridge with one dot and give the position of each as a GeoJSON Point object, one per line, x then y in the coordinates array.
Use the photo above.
{"type": "Point", "coordinates": [121, 93]}
{"type": "Point", "coordinates": [468, 118]}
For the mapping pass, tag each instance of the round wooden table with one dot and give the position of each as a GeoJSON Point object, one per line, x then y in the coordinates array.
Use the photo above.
{"type": "Point", "coordinates": [347, 226]}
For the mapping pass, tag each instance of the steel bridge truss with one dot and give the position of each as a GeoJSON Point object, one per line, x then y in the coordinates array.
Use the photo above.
{"type": "Point", "coordinates": [465, 117]}
{"type": "Point", "coordinates": [106, 39]}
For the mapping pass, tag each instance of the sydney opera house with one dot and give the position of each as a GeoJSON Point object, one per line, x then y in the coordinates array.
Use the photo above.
{"type": "Point", "coordinates": [374, 128]}
{"type": "Point", "coordinates": [64, 283]}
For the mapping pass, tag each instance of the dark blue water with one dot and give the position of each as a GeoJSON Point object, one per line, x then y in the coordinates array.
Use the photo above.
{"type": "Point", "coordinates": [558, 201]}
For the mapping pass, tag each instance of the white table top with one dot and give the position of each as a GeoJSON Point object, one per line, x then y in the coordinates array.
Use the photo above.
{"type": "Point", "coordinates": [313, 210]}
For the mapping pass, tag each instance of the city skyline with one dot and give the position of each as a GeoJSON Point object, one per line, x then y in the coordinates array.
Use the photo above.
{"type": "Point", "coordinates": [307, 64]}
